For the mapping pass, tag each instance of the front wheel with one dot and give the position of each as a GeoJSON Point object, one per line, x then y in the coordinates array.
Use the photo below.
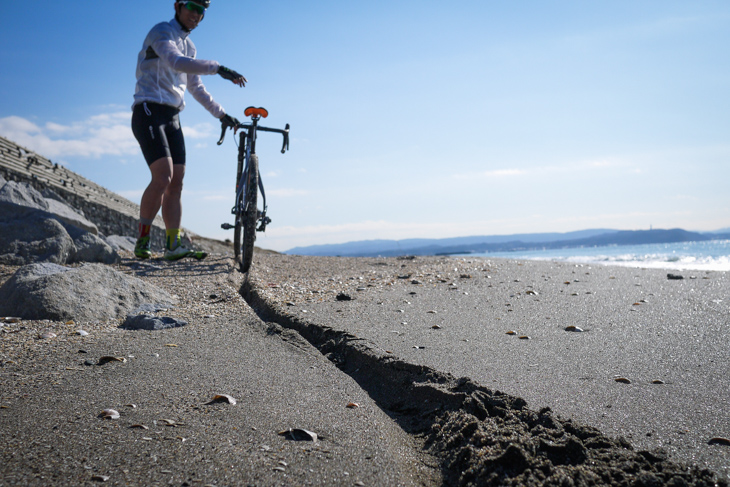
{"type": "Point", "coordinates": [249, 217]}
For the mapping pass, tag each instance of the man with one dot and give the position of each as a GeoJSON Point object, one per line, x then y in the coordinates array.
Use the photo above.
{"type": "Point", "coordinates": [166, 67]}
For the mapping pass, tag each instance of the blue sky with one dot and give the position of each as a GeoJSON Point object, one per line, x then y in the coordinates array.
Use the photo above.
{"type": "Point", "coordinates": [409, 118]}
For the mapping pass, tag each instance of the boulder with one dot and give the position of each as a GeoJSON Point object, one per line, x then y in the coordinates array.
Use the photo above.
{"type": "Point", "coordinates": [90, 248]}
{"type": "Point", "coordinates": [23, 194]}
{"type": "Point", "coordinates": [70, 216]}
{"type": "Point", "coordinates": [28, 235]}
{"type": "Point", "coordinates": [119, 242]}
{"type": "Point", "coordinates": [92, 292]}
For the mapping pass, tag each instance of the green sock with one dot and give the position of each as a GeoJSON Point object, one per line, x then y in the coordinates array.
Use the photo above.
{"type": "Point", "coordinates": [174, 235]}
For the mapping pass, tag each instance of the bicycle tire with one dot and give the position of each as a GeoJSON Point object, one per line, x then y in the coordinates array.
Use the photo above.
{"type": "Point", "coordinates": [237, 230]}
{"type": "Point", "coordinates": [251, 214]}
{"type": "Point", "coordinates": [238, 215]}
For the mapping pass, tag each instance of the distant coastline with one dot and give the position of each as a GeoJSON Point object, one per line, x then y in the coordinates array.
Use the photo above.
{"type": "Point", "coordinates": [509, 243]}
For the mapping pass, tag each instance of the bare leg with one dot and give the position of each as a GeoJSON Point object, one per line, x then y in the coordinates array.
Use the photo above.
{"type": "Point", "coordinates": [172, 198]}
{"type": "Point", "coordinates": [162, 171]}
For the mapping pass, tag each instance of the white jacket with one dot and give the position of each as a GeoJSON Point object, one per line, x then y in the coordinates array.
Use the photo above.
{"type": "Point", "coordinates": [166, 66]}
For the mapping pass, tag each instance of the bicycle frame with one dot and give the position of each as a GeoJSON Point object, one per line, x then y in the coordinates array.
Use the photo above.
{"type": "Point", "coordinates": [245, 210]}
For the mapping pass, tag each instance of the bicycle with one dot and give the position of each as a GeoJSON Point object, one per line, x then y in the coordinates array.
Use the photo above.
{"type": "Point", "coordinates": [248, 183]}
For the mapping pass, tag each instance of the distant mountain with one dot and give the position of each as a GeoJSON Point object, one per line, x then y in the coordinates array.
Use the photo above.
{"type": "Point", "coordinates": [401, 247]}
{"type": "Point", "coordinates": [503, 243]}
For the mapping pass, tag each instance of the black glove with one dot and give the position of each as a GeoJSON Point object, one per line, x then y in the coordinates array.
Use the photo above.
{"type": "Point", "coordinates": [229, 74]}
{"type": "Point", "coordinates": [228, 121]}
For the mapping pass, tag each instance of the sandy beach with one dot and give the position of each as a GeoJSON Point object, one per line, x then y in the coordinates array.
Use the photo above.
{"type": "Point", "coordinates": [650, 365]}
{"type": "Point", "coordinates": [425, 371]}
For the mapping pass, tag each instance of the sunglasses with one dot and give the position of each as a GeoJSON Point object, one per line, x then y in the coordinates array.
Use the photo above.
{"type": "Point", "coordinates": [194, 7]}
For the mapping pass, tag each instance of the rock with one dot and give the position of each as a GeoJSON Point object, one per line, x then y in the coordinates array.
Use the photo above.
{"type": "Point", "coordinates": [22, 194]}
{"type": "Point", "coordinates": [68, 215]}
{"type": "Point", "coordinates": [149, 322]}
{"type": "Point", "coordinates": [119, 242]}
{"type": "Point", "coordinates": [87, 293]}
{"type": "Point", "coordinates": [90, 248]}
{"type": "Point", "coordinates": [28, 235]}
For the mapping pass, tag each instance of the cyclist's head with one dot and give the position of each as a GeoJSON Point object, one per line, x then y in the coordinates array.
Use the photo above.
{"type": "Point", "coordinates": [193, 12]}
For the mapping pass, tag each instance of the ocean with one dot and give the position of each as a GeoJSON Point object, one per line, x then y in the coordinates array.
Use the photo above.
{"type": "Point", "coordinates": [711, 255]}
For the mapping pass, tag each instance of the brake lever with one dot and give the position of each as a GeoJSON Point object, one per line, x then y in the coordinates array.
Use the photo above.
{"type": "Point", "coordinates": [223, 134]}
{"type": "Point", "coordinates": [285, 147]}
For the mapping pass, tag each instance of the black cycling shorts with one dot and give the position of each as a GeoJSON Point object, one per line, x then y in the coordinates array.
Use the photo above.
{"type": "Point", "coordinates": [157, 129]}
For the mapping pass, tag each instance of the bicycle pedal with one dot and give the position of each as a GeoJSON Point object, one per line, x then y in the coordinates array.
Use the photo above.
{"type": "Point", "coordinates": [226, 226]}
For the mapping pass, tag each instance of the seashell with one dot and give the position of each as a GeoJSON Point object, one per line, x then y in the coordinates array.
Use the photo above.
{"type": "Point", "coordinates": [636, 304]}
{"type": "Point", "coordinates": [524, 337]}
{"type": "Point", "coordinates": [298, 434]}
{"type": "Point", "coordinates": [47, 335]}
{"type": "Point", "coordinates": [531, 292]}
{"type": "Point", "coordinates": [133, 406]}
{"type": "Point", "coordinates": [82, 333]}
{"type": "Point", "coordinates": [70, 322]}
{"type": "Point", "coordinates": [718, 440]}
{"type": "Point", "coordinates": [168, 422]}
{"type": "Point", "coordinates": [139, 426]}
{"type": "Point", "coordinates": [573, 328]}
{"type": "Point", "coordinates": [109, 414]}
{"type": "Point", "coordinates": [352, 405]}
{"type": "Point", "coordinates": [657, 381]}
{"type": "Point", "coordinates": [222, 398]}
{"type": "Point", "coordinates": [99, 478]}
{"type": "Point", "coordinates": [170, 345]}
{"type": "Point", "coordinates": [511, 332]}
{"type": "Point", "coordinates": [436, 327]}
{"type": "Point", "coordinates": [10, 319]}
{"type": "Point", "coordinates": [622, 380]}
{"type": "Point", "coordinates": [431, 312]}
{"type": "Point", "coordinates": [279, 469]}
{"type": "Point", "coordinates": [108, 358]}
{"type": "Point", "coordinates": [465, 276]}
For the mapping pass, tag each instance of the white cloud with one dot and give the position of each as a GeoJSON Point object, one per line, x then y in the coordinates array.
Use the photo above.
{"type": "Point", "coordinates": [99, 135]}
{"type": "Point", "coordinates": [199, 131]}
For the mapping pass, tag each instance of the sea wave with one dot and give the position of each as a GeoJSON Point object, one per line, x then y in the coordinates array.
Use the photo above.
{"type": "Point", "coordinates": [711, 255]}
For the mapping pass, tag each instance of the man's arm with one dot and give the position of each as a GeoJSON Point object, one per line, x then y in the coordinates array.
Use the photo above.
{"type": "Point", "coordinates": [201, 95]}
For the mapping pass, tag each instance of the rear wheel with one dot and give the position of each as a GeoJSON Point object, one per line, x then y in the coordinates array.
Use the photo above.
{"type": "Point", "coordinates": [249, 217]}
{"type": "Point", "coordinates": [238, 214]}
{"type": "Point", "coordinates": [237, 230]}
